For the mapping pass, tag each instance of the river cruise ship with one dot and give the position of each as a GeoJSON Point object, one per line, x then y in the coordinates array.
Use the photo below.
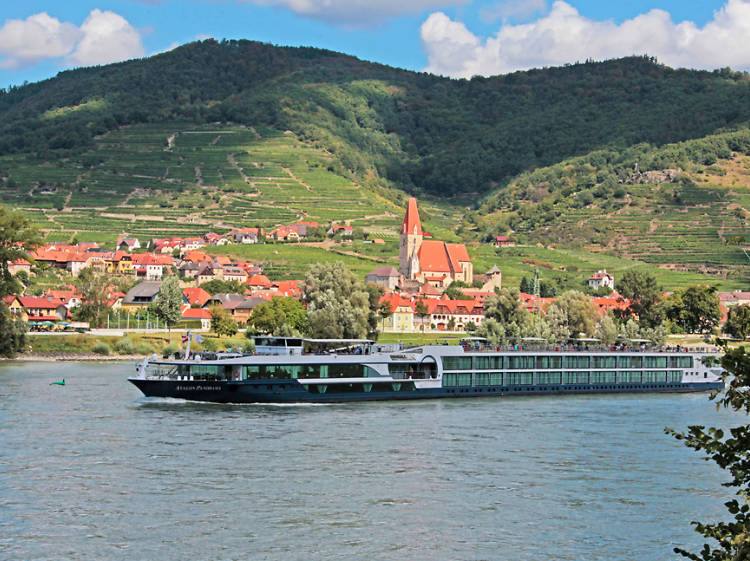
{"type": "Point", "coordinates": [288, 370]}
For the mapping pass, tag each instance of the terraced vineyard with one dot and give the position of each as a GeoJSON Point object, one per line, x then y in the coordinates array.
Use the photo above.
{"type": "Point", "coordinates": [687, 212]}
{"type": "Point", "coordinates": [176, 179]}
{"type": "Point", "coordinates": [693, 227]}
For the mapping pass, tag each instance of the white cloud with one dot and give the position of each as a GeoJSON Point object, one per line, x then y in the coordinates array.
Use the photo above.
{"type": "Point", "coordinates": [103, 38]}
{"type": "Point", "coordinates": [26, 42]}
{"type": "Point", "coordinates": [563, 35]}
{"type": "Point", "coordinates": [357, 12]}
{"type": "Point", "coordinates": [107, 37]}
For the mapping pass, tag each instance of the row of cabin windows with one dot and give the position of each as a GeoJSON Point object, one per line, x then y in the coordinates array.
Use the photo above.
{"type": "Point", "coordinates": [279, 372]}
{"type": "Point", "coordinates": [529, 378]}
{"type": "Point", "coordinates": [520, 362]}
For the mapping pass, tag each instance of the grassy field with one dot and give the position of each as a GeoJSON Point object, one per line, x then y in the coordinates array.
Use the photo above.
{"type": "Point", "coordinates": [571, 268]}
{"type": "Point", "coordinates": [142, 343]}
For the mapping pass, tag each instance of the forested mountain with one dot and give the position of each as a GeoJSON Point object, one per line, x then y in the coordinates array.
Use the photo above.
{"type": "Point", "coordinates": [417, 131]}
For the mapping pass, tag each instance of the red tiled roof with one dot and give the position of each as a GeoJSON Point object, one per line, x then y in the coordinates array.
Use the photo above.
{"type": "Point", "coordinates": [196, 296]}
{"type": "Point", "coordinates": [64, 295]}
{"type": "Point", "coordinates": [196, 256]}
{"type": "Point", "coordinates": [411, 224]}
{"type": "Point", "coordinates": [397, 301]}
{"type": "Point", "coordinates": [288, 287]}
{"type": "Point", "coordinates": [196, 313]}
{"type": "Point", "coordinates": [429, 290]}
{"type": "Point", "coordinates": [441, 257]}
{"type": "Point", "coordinates": [606, 303]}
{"type": "Point", "coordinates": [451, 306]}
{"type": "Point", "coordinates": [733, 296]}
{"type": "Point", "coordinates": [259, 280]}
{"type": "Point", "coordinates": [41, 303]}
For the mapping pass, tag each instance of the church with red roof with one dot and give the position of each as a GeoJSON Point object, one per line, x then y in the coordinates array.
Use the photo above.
{"type": "Point", "coordinates": [432, 261]}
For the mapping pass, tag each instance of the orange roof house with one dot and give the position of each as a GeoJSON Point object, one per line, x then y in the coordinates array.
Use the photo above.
{"type": "Point", "coordinates": [259, 281]}
{"type": "Point", "coordinates": [196, 296]}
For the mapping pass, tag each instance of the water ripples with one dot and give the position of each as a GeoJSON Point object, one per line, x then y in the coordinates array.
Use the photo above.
{"type": "Point", "coordinates": [94, 470]}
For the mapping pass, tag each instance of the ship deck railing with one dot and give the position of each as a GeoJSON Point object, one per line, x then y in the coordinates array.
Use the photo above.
{"type": "Point", "coordinates": [486, 348]}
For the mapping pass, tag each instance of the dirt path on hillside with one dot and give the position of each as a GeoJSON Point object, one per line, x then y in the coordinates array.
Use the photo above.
{"type": "Point", "coordinates": [348, 221]}
{"type": "Point", "coordinates": [233, 162]}
{"type": "Point", "coordinates": [298, 180]}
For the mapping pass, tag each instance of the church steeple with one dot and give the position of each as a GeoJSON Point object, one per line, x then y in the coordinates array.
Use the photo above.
{"type": "Point", "coordinates": [411, 240]}
{"type": "Point", "coordinates": [411, 225]}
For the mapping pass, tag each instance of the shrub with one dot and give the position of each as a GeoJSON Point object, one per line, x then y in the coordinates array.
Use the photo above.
{"type": "Point", "coordinates": [248, 346]}
{"type": "Point", "coordinates": [125, 347]}
{"type": "Point", "coordinates": [100, 349]}
{"type": "Point", "coordinates": [210, 345]}
{"type": "Point", "coordinates": [169, 350]}
{"type": "Point", "coordinates": [144, 349]}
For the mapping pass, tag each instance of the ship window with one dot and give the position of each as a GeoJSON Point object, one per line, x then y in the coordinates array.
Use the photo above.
{"type": "Point", "coordinates": [548, 377]}
{"type": "Point", "coordinates": [576, 378]}
{"type": "Point", "coordinates": [681, 362]}
{"type": "Point", "coordinates": [519, 378]}
{"type": "Point", "coordinates": [655, 362]}
{"type": "Point", "coordinates": [414, 370]}
{"type": "Point", "coordinates": [629, 361]}
{"type": "Point", "coordinates": [628, 377]}
{"type": "Point", "coordinates": [482, 362]}
{"type": "Point", "coordinates": [456, 363]}
{"type": "Point", "coordinates": [482, 379]}
{"type": "Point", "coordinates": [456, 379]}
{"type": "Point", "coordinates": [304, 371]}
{"type": "Point", "coordinates": [654, 376]}
{"type": "Point", "coordinates": [605, 362]}
{"type": "Point", "coordinates": [207, 371]}
{"type": "Point", "coordinates": [576, 361]}
{"type": "Point", "coordinates": [675, 376]}
{"type": "Point", "coordinates": [599, 377]}
{"type": "Point", "coordinates": [521, 362]}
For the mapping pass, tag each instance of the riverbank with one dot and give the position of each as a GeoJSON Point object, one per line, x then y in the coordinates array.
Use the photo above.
{"type": "Point", "coordinates": [72, 357]}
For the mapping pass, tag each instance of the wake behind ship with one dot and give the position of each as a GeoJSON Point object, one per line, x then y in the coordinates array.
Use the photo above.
{"type": "Point", "coordinates": [358, 370]}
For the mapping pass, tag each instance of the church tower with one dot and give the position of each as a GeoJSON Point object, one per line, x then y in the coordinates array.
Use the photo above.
{"type": "Point", "coordinates": [411, 240]}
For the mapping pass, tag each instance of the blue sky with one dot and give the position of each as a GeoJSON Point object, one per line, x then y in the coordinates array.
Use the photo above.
{"type": "Point", "coordinates": [39, 38]}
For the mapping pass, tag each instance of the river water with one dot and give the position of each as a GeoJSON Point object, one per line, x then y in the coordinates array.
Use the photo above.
{"type": "Point", "coordinates": [93, 470]}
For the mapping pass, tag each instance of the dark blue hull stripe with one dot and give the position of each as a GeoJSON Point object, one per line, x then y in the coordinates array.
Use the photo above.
{"type": "Point", "coordinates": [291, 391]}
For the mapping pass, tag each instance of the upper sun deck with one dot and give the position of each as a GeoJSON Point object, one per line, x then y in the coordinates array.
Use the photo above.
{"type": "Point", "coordinates": [537, 346]}
{"type": "Point", "coordinates": [267, 345]}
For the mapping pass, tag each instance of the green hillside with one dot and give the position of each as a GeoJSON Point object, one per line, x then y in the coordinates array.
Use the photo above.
{"type": "Point", "coordinates": [424, 132]}
{"type": "Point", "coordinates": [682, 206]}
{"type": "Point", "coordinates": [215, 135]}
